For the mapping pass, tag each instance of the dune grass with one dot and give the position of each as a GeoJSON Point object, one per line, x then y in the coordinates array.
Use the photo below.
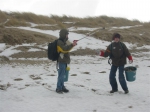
{"type": "Point", "coordinates": [104, 21]}
{"type": "Point", "coordinates": [3, 16]}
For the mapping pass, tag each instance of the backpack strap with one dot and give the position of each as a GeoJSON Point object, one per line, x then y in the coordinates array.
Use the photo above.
{"type": "Point", "coordinates": [57, 68]}
{"type": "Point", "coordinates": [122, 46]}
{"type": "Point", "coordinates": [109, 61]}
{"type": "Point", "coordinates": [110, 56]}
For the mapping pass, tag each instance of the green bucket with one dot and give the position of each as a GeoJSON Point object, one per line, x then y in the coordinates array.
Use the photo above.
{"type": "Point", "coordinates": [130, 73]}
{"type": "Point", "coordinates": [66, 76]}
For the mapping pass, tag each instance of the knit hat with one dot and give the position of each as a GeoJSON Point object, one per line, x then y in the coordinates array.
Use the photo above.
{"type": "Point", "coordinates": [116, 35]}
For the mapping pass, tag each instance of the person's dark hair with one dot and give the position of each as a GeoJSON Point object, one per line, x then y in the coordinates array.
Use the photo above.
{"type": "Point", "coordinates": [116, 35]}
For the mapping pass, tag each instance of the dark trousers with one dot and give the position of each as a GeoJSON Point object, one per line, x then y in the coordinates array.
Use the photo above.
{"type": "Point", "coordinates": [112, 78]}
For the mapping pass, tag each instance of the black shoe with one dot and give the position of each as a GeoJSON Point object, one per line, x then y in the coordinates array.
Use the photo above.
{"type": "Point", "coordinates": [59, 91]}
{"type": "Point", "coordinates": [126, 92]}
{"type": "Point", "coordinates": [112, 91]}
{"type": "Point", "coordinates": [65, 90]}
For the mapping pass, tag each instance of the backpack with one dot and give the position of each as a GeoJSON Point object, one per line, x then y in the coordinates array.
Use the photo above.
{"type": "Point", "coordinates": [110, 56]}
{"type": "Point", "coordinates": [52, 51]}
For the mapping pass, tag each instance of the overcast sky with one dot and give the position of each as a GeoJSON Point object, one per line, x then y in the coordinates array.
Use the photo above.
{"type": "Point", "coordinates": [130, 9]}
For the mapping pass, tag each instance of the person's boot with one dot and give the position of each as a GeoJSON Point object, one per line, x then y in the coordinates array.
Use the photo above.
{"type": "Point", "coordinates": [65, 90]}
{"type": "Point", "coordinates": [59, 91]}
{"type": "Point", "coordinates": [126, 91]}
{"type": "Point", "coordinates": [112, 91]}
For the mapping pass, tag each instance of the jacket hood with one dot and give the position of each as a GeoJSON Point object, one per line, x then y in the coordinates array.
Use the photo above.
{"type": "Point", "coordinates": [63, 33]}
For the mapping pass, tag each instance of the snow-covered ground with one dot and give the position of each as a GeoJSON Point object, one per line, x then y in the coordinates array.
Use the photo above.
{"type": "Point", "coordinates": [31, 88]}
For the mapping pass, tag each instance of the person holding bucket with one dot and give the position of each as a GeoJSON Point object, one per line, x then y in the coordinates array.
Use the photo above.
{"type": "Point", "coordinates": [63, 60]}
{"type": "Point", "coordinates": [118, 53]}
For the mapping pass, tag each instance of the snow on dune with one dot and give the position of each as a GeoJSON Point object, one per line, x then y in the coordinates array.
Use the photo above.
{"type": "Point", "coordinates": [87, 42]}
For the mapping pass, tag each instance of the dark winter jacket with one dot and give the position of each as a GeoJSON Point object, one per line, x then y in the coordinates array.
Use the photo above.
{"type": "Point", "coordinates": [118, 52]}
{"type": "Point", "coordinates": [63, 48]}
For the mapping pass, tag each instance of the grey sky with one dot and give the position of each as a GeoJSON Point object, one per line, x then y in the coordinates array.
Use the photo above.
{"type": "Point", "coordinates": [130, 9]}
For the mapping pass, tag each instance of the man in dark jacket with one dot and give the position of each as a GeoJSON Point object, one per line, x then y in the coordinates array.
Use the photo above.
{"type": "Point", "coordinates": [64, 59]}
{"type": "Point", "coordinates": [118, 53]}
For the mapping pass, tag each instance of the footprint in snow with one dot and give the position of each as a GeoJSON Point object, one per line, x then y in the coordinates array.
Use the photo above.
{"type": "Point", "coordinates": [99, 92]}
{"type": "Point", "coordinates": [35, 77]}
{"type": "Point", "coordinates": [86, 72]}
{"type": "Point", "coordinates": [130, 106]}
{"type": "Point", "coordinates": [18, 79]}
{"type": "Point", "coordinates": [79, 85]}
{"type": "Point", "coordinates": [46, 86]}
{"type": "Point", "coordinates": [3, 87]}
{"type": "Point", "coordinates": [73, 75]}
{"type": "Point", "coordinates": [102, 72]}
{"type": "Point", "coordinates": [51, 75]}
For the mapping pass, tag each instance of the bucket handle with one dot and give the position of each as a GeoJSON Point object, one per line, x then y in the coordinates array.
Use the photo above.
{"type": "Point", "coordinates": [136, 66]}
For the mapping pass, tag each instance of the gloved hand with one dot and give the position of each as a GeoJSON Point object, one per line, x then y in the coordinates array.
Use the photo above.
{"type": "Point", "coordinates": [130, 59]}
{"type": "Point", "coordinates": [101, 53]}
{"type": "Point", "coordinates": [75, 42]}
